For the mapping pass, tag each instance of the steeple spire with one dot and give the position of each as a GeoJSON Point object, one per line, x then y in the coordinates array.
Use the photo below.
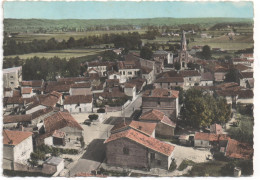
{"type": "Point", "coordinates": [183, 42]}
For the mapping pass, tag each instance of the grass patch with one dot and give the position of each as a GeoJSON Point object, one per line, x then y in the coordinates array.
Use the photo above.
{"type": "Point", "coordinates": [11, 173]}
{"type": "Point", "coordinates": [68, 53]}
{"type": "Point", "coordinates": [184, 164]}
{"type": "Point", "coordinates": [212, 168]}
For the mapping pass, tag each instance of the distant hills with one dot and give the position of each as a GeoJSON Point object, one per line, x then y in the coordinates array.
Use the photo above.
{"type": "Point", "coordinates": [16, 25]}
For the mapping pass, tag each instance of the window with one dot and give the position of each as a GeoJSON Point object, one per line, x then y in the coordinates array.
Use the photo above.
{"type": "Point", "coordinates": [159, 162]}
{"type": "Point", "coordinates": [152, 156]}
{"type": "Point", "coordinates": [123, 72]}
{"type": "Point", "coordinates": [176, 83]}
{"type": "Point", "coordinates": [125, 150]}
{"type": "Point", "coordinates": [159, 103]}
{"type": "Point", "coordinates": [201, 142]}
{"type": "Point", "coordinates": [12, 82]}
{"type": "Point", "coordinates": [135, 72]}
{"type": "Point", "coordinates": [129, 73]}
{"type": "Point", "coordinates": [189, 79]}
{"type": "Point", "coordinates": [115, 77]}
{"type": "Point", "coordinates": [11, 77]}
{"type": "Point", "coordinates": [120, 72]}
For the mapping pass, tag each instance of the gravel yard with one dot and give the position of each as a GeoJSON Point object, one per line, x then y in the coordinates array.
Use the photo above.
{"type": "Point", "coordinates": [196, 155]}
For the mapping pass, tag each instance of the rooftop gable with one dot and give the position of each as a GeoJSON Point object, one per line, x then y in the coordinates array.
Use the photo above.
{"type": "Point", "coordinates": [149, 142]}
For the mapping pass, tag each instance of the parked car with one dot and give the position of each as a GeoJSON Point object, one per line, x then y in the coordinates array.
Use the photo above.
{"type": "Point", "coordinates": [87, 122]}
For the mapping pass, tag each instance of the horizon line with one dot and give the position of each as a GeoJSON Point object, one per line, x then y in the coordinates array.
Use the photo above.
{"type": "Point", "coordinates": [136, 18]}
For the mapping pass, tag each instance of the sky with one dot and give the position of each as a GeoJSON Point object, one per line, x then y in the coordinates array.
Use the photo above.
{"type": "Point", "coordinates": [125, 10]}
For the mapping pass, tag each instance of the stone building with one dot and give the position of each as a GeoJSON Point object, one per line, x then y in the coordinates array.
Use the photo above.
{"type": "Point", "coordinates": [63, 126]}
{"type": "Point", "coordinates": [169, 82]}
{"type": "Point", "coordinates": [164, 100]}
{"type": "Point", "coordinates": [18, 146]}
{"type": "Point", "coordinates": [78, 103]}
{"type": "Point", "coordinates": [12, 77]}
{"type": "Point", "coordinates": [80, 89]}
{"type": "Point", "coordinates": [132, 149]}
{"type": "Point", "coordinates": [164, 126]}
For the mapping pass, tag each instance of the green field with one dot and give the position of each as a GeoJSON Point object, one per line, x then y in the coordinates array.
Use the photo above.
{"type": "Point", "coordinates": [67, 53]}
{"type": "Point", "coordinates": [30, 25]}
{"type": "Point", "coordinates": [27, 37]}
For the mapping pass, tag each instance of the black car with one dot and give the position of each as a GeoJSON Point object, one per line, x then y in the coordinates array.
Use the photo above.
{"type": "Point", "coordinates": [87, 122]}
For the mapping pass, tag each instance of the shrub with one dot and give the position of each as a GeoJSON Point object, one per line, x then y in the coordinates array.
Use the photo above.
{"type": "Point", "coordinates": [93, 117]}
{"type": "Point", "coordinates": [173, 166]}
{"type": "Point", "coordinates": [184, 164]}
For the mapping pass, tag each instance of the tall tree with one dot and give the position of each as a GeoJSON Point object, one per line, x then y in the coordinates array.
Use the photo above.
{"type": "Point", "coordinates": [146, 53]}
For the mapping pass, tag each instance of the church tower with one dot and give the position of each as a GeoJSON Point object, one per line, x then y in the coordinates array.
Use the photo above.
{"type": "Point", "coordinates": [183, 42]}
{"type": "Point", "coordinates": [183, 54]}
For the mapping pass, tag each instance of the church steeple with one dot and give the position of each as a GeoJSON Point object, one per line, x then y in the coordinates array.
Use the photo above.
{"type": "Point", "coordinates": [183, 42]}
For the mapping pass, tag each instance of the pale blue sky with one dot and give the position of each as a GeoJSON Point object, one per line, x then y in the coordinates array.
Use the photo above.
{"type": "Point", "coordinates": [126, 10]}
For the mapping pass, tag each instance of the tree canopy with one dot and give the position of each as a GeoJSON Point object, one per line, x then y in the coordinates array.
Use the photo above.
{"type": "Point", "coordinates": [205, 53]}
{"type": "Point", "coordinates": [201, 110]}
{"type": "Point", "coordinates": [146, 53]}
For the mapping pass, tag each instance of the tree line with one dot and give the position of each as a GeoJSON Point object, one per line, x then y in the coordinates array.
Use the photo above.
{"type": "Point", "coordinates": [130, 40]}
{"type": "Point", "coordinates": [48, 69]}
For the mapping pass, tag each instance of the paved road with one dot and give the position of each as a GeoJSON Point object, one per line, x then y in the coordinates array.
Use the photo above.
{"type": "Point", "coordinates": [94, 137]}
{"type": "Point", "coordinates": [136, 104]}
{"type": "Point", "coordinates": [92, 158]}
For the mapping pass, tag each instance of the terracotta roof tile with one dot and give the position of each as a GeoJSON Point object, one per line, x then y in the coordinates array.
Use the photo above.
{"type": "Point", "coordinates": [77, 99]}
{"type": "Point", "coordinates": [245, 94]}
{"type": "Point", "coordinates": [162, 93]}
{"type": "Point", "coordinates": [60, 120]}
{"type": "Point", "coordinates": [236, 149]}
{"type": "Point", "coordinates": [210, 136]}
{"type": "Point", "coordinates": [156, 115]}
{"type": "Point", "coordinates": [81, 85]}
{"type": "Point", "coordinates": [207, 76]}
{"type": "Point", "coordinates": [14, 137]}
{"type": "Point", "coordinates": [143, 127]}
{"type": "Point", "coordinates": [73, 79]}
{"type": "Point", "coordinates": [17, 118]}
{"type": "Point", "coordinates": [189, 73]}
{"type": "Point", "coordinates": [144, 140]}
{"type": "Point", "coordinates": [34, 83]}
{"type": "Point", "coordinates": [241, 67]}
{"type": "Point", "coordinates": [169, 80]}
{"type": "Point", "coordinates": [247, 74]}
{"type": "Point", "coordinates": [26, 90]}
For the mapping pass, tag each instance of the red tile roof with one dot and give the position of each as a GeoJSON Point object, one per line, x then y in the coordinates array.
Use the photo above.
{"type": "Point", "coordinates": [169, 80]}
{"type": "Point", "coordinates": [34, 83]}
{"type": "Point", "coordinates": [241, 67]}
{"type": "Point", "coordinates": [156, 115]}
{"type": "Point", "coordinates": [77, 99]}
{"type": "Point", "coordinates": [245, 94]}
{"type": "Point", "coordinates": [143, 127]}
{"type": "Point", "coordinates": [26, 90]}
{"type": "Point", "coordinates": [58, 88]}
{"type": "Point", "coordinates": [74, 79]}
{"type": "Point", "coordinates": [15, 137]}
{"type": "Point", "coordinates": [247, 74]}
{"type": "Point", "coordinates": [48, 100]}
{"type": "Point", "coordinates": [210, 136]}
{"type": "Point", "coordinates": [144, 140]}
{"type": "Point", "coordinates": [207, 76]}
{"type": "Point", "coordinates": [60, 120]}
{"type": "Point", "coordinates": [81, 85]}
{"type": "Point", "coordinates": [236, 149]}
{"type": "Point", "coordinates": [189, 73]}
{"type": "Point", "coordinates": [162, 93]}
{"type": "Point", "coordinates": [17, 118]}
